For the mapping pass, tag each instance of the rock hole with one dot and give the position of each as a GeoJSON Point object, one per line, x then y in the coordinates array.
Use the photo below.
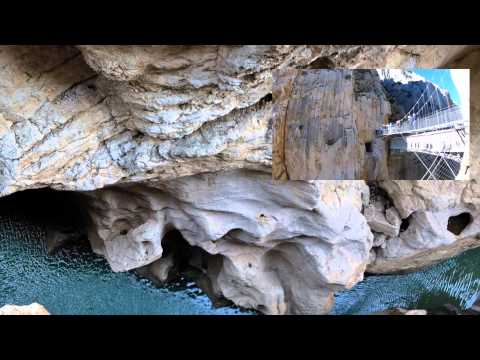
{"type": "Point", "coordinates": [322, 62]}
{"type": "Point", "coordinates": [123, 232]}
{"type": "Point", "coordinates": [368, 147]}
{"type": "Point", "coordinates": [377, 193]}
{"type": "Point", "coordinates": [458, 223]}
{"type": "Point", "coordinates": [268, 98]}
{"type": "Point", "coordinates": [331, 141]}
{"type": "Point", "coordinates": [61, 214]}
{"type": "Point", "coordinates": [92, 87]}
{"type": "Point", "coordinates": [190, 264]}
{"type": "Point", "coordinates": [250, 77]}
{"type": "Point", "coordinates": [405, 223]}
{"type": "Point", "coordinates": [173, 243]}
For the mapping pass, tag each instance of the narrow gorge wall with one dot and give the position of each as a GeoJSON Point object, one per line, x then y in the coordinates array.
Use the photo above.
{"type": "Point", "coordinates": [179, 137]}
{"type": "Point", "coordinates": [324, 125]}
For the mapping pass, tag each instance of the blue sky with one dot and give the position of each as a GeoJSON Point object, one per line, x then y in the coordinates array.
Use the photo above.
{"type": "Point", "coordinates": [441, 78]}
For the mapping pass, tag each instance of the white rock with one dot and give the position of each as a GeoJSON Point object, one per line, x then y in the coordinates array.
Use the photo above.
{"type": "Point", "coordinates": [259, 227]}
{"type": "Point", "coordinates": [393, 217]}
{"type": "Point", "coordinates": [32, 309]}
{"type": "Point", "coordinates": [161, 268]}
{"type": "Point", "coordinates": [379, 240]}
{"type": "Point", "coordinates": [377, 221]}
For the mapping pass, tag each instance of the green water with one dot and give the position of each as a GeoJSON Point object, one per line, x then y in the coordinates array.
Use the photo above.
{"type": "Point", "coordinates": [76, 281]}
{"type": "Point", "coordinates": [455, 281]}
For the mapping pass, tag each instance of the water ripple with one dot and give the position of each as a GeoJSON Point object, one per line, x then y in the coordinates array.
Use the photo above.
{"type": "Point", "coordinates": [455, 281]}
{"type": "Point", "coordinates": [79, 282]}
{"type": "Point", "coordinates": [76, 281]}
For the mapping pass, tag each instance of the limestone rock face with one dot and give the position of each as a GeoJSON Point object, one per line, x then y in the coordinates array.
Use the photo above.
{"type": "Point", "coordinates": [263, 230]}
{"type": "Point", "coordinates": [371, 111]}
{"type": "Point", "coordinates": [377, 220]}
{"type": "Point", "coordinates": [149, 112]}
{"type": "Point", "coordinates": [387, 56]}
{"type": "Point", "coordinates": [404, 88]}
{"type": "Point", "coordinates": [32, 309]}
{"type": "Point", "coordinates": [136, 113]}
{"type": "Point", "coordinates": [471, 60]}
{"type": "Point", "coordinates": [179, 137]}
{"type": "Point", "coordinates": [324, 125]}
{"type": "Point", "coordinates": [440, 215]}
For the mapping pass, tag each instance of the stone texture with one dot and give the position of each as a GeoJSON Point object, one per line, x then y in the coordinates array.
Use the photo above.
{"type": "Point", "coordinates": [152, 112]}
{"type": "Point", "coordinates": [179, 137]}
{"type": "Point", "coordinates": [204, 109]}
{"type": "Point", "coordinates": [263, 230]}
{"type": "Point", "coordinates": [324, 125]}
{"type": "Point", "coordinates": [378, 222]}
{"type": "Point", "coordinates": [428, 205]}
{"type": "Point", "coordinates": [32, 309]}
{"type": "Point", "coordinates": [161, 268]}
{"type": "Point", "coordinates": [471, 60]}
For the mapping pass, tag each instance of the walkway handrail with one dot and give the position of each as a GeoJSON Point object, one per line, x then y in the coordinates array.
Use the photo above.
{"type": "Point", "coordinates": [446, 118]}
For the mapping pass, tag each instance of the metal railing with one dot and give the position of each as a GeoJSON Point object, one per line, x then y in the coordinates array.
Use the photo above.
{"type": "Point", "coordinates": [451, 156]}
{"type": "Point", "coordinates": [446, 118]}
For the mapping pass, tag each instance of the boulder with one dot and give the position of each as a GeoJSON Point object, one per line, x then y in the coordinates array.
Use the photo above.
{"type": "Point", "coordinates": [377, 221]}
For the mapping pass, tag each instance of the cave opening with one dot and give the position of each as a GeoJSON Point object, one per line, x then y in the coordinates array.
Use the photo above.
{"type": "Point", "coordinates": [456, 224]}
{"type": "Point", "coordinates": [368, 147]}
{"type": "Point", "coordinates": [322, 62]}
{"type": "Point", "coordinates": [63, 277]}
{"type": "Point", "coordinates": [405, 223]}
{"type": "Point", "coordinates": [61, 214]}
{"type": "Point", "coordinates": [176, 246]}
{"type": "Point", "coordinates": [63, 219]}
{"type": "Point", "coordinates": [377, 193]}
{"type": "Point", "coordinates": [182, 264]}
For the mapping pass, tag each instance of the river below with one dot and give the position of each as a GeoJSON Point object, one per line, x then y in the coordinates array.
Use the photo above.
{"type": "Point", "coordinates": [77, 281]}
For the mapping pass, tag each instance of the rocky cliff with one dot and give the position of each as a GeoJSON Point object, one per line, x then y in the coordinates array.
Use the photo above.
{"type": "Point", "coordinates": [404, 88]}
{"type": "Point", "coordinates": [325, 125]}
{"type": "Point", "coordinates": [162, 138]}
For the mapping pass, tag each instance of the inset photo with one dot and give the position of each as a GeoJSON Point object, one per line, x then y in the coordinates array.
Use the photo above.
{"type": "Point", "coordinates": [371, 124]}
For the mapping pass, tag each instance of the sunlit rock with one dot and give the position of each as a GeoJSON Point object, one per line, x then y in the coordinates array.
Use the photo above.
{"type": "Point", "coordinates": [179, 137]}
{"type": "Point", "coordinates": [32, 309]}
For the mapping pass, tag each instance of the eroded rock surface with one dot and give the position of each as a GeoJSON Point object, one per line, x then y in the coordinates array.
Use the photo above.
{"type": "Point", "coordinates": [325, 123]}
{"type": "Point", "coordinates": [179, 137]}
{"type": "Point", "coordinates": [440, 220]}
{"type": "Point", "coordinates": [285, 246]}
